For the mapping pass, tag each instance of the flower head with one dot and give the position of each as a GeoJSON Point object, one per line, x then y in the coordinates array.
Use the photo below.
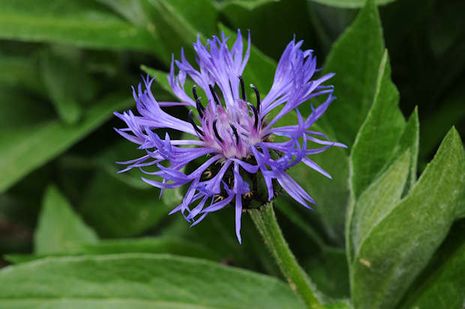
{"type": "Point", "coordinates": [241, 150]}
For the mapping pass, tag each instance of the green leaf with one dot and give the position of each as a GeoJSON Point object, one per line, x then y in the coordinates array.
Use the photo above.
{"type": "Point", "coordinates": [23, 112]}
{"type": "Point", "coordinates": [331, 195]}
{"type": "Point", "coordinates": [16, 70]}
{"type": "Point", "coordinates": [400, 246]}
{"type": "Point", "coordinates": [379, 133]}
{"type": "Point", "coordinates": [350, 4]}
{"type": "Point", "coordinates": [355, 58]}
{"type": "Point", "coordinates": [65, 80]}
{"type": "Point", "coordinates": [118, 210]}
{"type": "Point", "coordinates": [246, 4]}
{"type": "Point", "coordinates": [139, 280]}
{"type": "Point", "coordinates": [330, 272]}
{"type": "Point", "coordinates": [165, 244]}
{"type": "Point", "coordinates": [79, 23]}
{"type": "Point", "coordinates": [180, 21]}
{"type": "Point", "coordinates": [168, 245]}
{"type": "Point", "coordinates": [377, 144]}
{"type": "Point", "coordinates": [445, 289]}
{"type": "Point", "coordinates": [135, 11]}
{"type": "Point", "coordinates": [440, 285]}
{"type": "Point", "coordinates": [378, 200]}
{"type": "Point", "coordinates": [60, 228]}
{"type": "Point", "coordinates": [410, 140]}
{"type": "Point", "coordinates": [201, 15]}
{"type": "Point", "coordinates": [255, 16]}
{"type": "Point", "coordinates": [28, 147]}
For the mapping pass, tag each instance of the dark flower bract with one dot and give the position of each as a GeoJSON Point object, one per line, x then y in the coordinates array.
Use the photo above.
{"type": "Point", "coordinates": [240, 140]}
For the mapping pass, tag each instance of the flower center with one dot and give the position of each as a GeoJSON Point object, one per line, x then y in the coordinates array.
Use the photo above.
{"type": "Point", "coordinates": [231, 129]}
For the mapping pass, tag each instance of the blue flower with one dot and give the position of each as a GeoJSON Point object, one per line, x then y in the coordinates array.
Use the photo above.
{"type": "Point", "coordinates": [234, 138]}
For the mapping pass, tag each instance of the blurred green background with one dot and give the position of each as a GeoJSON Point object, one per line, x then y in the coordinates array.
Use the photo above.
{"type": "Point", "coordinates": [66, 65]}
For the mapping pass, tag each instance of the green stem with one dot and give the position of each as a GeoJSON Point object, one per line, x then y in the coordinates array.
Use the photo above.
{"type": "Point", "coordinates": [266, 223]}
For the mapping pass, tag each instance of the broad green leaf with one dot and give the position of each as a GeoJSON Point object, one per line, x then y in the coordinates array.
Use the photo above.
{"type": "Point", "coordinates": [379, 133]}
{"type": "Point", "coordinates": [140, 281]}
{"type": "Point", "coordinates": [401, 245]}
{"type": "Point", "coordinates": [26, 148]}
{"type": "Point", "coordinates": [166, 245]}
{"type": "Point", "coordinates": [350, 4]}
{"type": "Point", "coordinates": [446, 289]}
{"type": "Point", "coordinates": [379, 199]}
{"type": "Point", "coordinates": [79, 23]}
{"type": "Point", "coordinates": [169, 245]}
{"type": "Point", "coordinates": [355, 58]}
{"type": "Point", "coordinates": [441, 284]}
{"type": "Point", "coordinates": [60, 228]}
{"type": "Point", "coordinates": [118, 210]}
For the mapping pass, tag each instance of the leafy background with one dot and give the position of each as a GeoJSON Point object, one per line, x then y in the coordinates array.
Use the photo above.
{"type": "Point", "coordinates": [389, 228]}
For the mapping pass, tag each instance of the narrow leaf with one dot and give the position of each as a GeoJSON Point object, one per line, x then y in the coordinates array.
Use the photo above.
{"type": "Point", "coordinates": [410, 140]}
{"type": "Point", "coordinates": [379, 133]}
{"type": "Point", "coordinates": [182, 21]}
{"type": "Point", "coordinates": [355, 58]}
{"type": "Point", "coordinates": [379, 199]}
{"type": "Point", "coordinates": [64, 80]}
{"type": "Point", "coordinates": [78, 23]}
{"type": "Point", "coordinates": [26, 148]}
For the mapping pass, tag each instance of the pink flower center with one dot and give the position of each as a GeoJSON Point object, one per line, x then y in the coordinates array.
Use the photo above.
{"type": "Point", "coordinates": [232, 129]}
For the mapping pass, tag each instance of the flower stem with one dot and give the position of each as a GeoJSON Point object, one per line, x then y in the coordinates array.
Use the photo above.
{"type": "Point", "coordinates": [266, 223]}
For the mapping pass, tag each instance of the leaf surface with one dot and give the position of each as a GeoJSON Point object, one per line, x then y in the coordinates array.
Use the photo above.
{"type": "Point", "coordinates": [355, 58]}
{"type": "Point", "coordinates": [28, 147]}
{"type": "Point", "coordinates": [350, 4]}
{"type": "Point", "coordinates": [79, 23]}
{"type": "Point", "coordinates": [400, 246]}
{"type": "Point", "coordinates": [141, 280]}
{"type": "Point", "coordinates": [60, 229]}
